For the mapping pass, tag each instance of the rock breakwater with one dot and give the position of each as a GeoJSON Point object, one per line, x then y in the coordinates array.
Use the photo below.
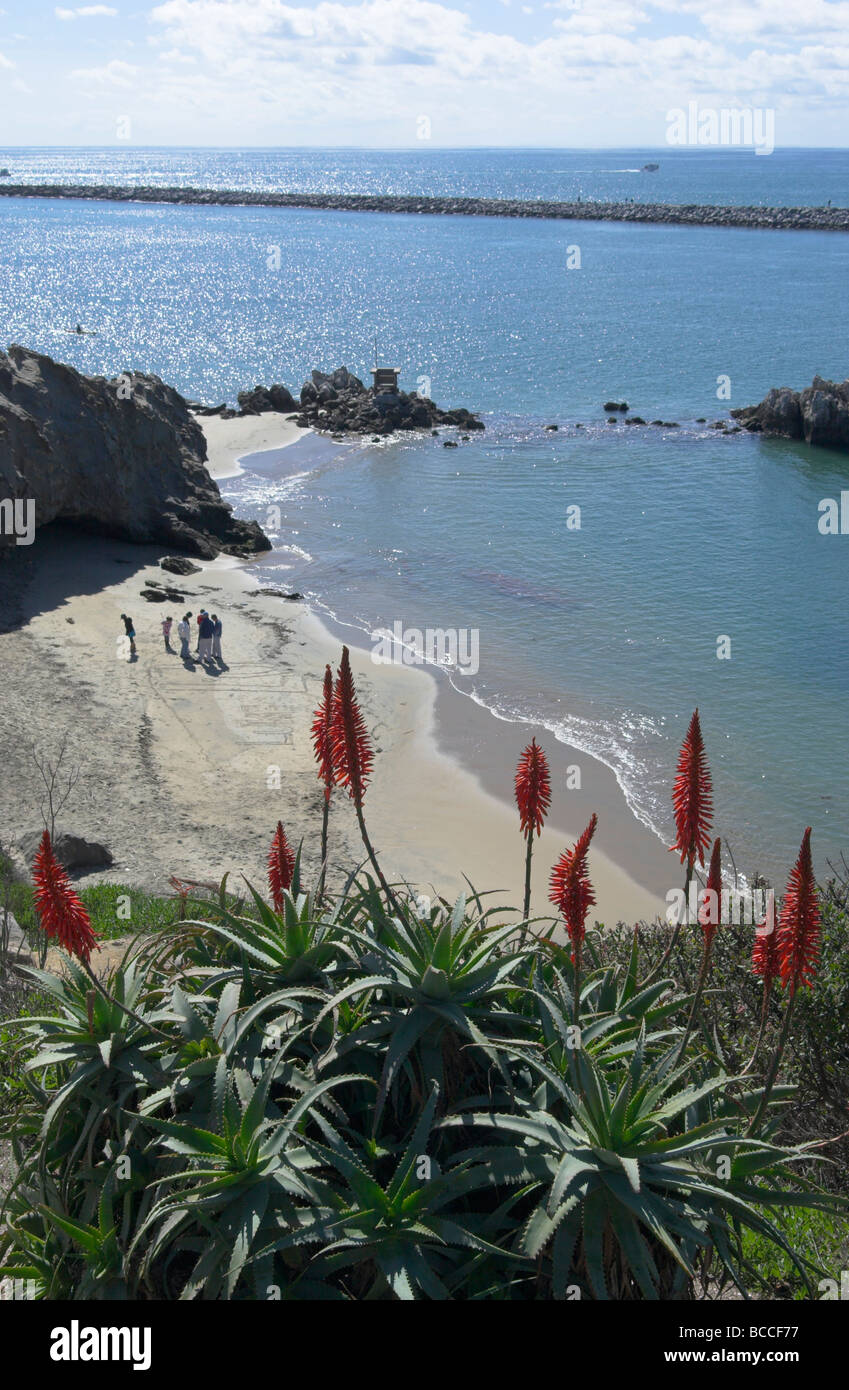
{"type": "Point", "coordinates": [676, 214]}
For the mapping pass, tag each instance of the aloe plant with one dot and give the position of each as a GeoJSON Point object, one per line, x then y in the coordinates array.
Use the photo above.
{"type": "Point", "coordinates": [630, 1194]}
{"type": "Point", "coordinates": [360, 1100]}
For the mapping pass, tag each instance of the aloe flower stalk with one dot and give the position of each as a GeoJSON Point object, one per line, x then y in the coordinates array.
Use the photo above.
{"type": "Point", "coordinates": [63, 917]}
{"type": "Point", "coordinates": [60, 910]}
{"type": "Point", "coordinates": [796, 951]}
{"type": "Point", "coordinates": [572, 892]}
{"type": "Point", "coordinates": [322, 742]}
{"type": "Point", "coordinates": [799, 925]}
{"type": "Point", "coordinates": [710, 914]}
{"type": "Point", "coordinates": [352, 755]}
{"type": "Point", "coordinates": [281, 867]}
{"type": "Point", "coordinates": [692, 801]}
{"type": "Point", "coordinates": [533, 798]}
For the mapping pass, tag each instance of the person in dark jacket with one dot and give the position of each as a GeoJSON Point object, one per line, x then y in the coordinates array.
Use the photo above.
{"type": "Point", "coordinates": [217, 628]}
{"type": "Point", "coordinates": [200, 618]}
{"type": "Point", "coordinates": [205, 635]}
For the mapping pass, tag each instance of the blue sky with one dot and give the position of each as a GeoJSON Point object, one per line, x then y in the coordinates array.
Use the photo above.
{"type": "Point", "coordinates": [577, 73]}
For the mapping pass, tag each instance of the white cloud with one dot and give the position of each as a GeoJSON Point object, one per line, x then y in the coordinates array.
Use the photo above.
{"type": "Point", "coordinates": [776, 20]}
{"type": "Point", "coordinates": [114, 74]}
{"type": "Point", "coordinates": [85, 12]}
{"type": "Point", "coordinates": [361, 71]}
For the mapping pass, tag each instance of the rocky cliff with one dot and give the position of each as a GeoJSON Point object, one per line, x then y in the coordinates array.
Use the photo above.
{"type": "Point", "coordinates": [123, 457]}
{"type": "Point", "coordinates": [819, 414]}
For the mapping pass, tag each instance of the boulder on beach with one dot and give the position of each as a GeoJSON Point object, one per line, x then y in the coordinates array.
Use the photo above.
{"type": "Point", "coordinates": [818, 415]}
{"type": "Point", "coordinates": [72, 851]}
{"type": "Point", "coordinates": [178, 564]}
{"type": "Point", "coordinates": [120, 457]}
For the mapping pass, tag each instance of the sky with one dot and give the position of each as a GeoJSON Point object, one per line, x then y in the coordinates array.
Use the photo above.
{"type": "Point", "coordinates": [387, 73]}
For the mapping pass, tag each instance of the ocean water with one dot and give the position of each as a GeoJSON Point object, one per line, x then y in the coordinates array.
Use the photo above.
{"type": "Point", "coordinates": [787, 177]}
{"type": "Point", "coordinates": [607, 634]}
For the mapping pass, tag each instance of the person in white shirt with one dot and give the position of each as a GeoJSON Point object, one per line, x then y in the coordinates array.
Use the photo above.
{"type": "Point", "coordinates": [184, 633]}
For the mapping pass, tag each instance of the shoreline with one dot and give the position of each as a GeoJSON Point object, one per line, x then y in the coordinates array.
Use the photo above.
{"type": "Point", "coordinates": [178, 763]}
{"type": "Point", "coordinates": [675, 214]}
{"type": "Point", "coordinates": [484, 747]}
{"type": "Point", "coordinates": [229, 441]}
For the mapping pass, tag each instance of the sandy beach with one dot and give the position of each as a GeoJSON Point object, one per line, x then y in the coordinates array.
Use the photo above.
{"type": "Point", "coordinates": [228, 441]}
{"type": "Point", "coordinates": [185, 770]}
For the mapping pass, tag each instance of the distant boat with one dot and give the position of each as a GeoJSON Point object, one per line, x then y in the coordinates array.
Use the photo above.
{"type": "Point", "coordinates": [4, 174]}
{"type": "Point", "coordinates": [650, 168]}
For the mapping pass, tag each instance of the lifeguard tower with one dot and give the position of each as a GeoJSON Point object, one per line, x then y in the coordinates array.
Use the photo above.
{"type": "Point", "coordinates": [385, 380]}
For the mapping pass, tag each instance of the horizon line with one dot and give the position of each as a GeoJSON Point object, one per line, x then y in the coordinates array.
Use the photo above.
{"type": "Point", "coordinates": [429, 146]}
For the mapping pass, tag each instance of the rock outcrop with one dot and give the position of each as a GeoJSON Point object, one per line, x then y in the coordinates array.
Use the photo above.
{"type": "Point", "coordinates": [121, 457]}
{"type": "Point", "coordinates": [339, 403]}
{"type": "Point", "coordinates": [265, 398]}
{"type": "Point", "coordinates": [819, 414]}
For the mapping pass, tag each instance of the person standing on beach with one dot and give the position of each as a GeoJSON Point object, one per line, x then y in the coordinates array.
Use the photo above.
{"type": "Point", "coordinates": [131, 633]}
{"type": "Point", "coordinates": [216, 637]}
{"type": "Point", "coordinates": [184, 632]}
{"type": "Point", "coordinates": [167, 624]}
{"type": "Point", "coordinates": [205, 638]}
{"type": "Point", "coordinates": [201, 616]}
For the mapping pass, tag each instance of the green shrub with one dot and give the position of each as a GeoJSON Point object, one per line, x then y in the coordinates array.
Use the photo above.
{"type": "Point", "coordinates": [345, 1102]}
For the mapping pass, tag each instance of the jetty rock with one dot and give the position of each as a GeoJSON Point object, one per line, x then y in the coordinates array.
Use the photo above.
{"type": "Point", "coordinates": [338, 403]}
{"type": "Point", "coordinates": [264, 398]}
{"type": "Point", "coordinates": [119, 457]}
{"type": "Point", "coordinates": [819, 414]}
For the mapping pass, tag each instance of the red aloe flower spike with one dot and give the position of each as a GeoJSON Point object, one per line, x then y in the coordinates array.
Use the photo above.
{"type": "Point", "coordinates": [796, 949]}
{"type": "Point", "coordinates": [322, 740]}
{"type": "Point", "coordinates": [533, 798]}
{"type": "Point", "coordinates": [352, 757]}
{"type": "Point", "coordinates": [799, 925]}
{"type": "Point", "coordinates": [322, 726]}
{"type": "Point", "coordinates": [350, 745]}
{"type": "Point", "coordinates": [571, 889]}
{"type": "Point", "coordinates": [281, 866]}
{"type": "Point", "coordinates": [533, 789]}
{"type": "Point", "coordinates": [692, 798]}
{"type": "Point", "coordinates": [710, 912]}
{"type": "Point", "coordinates": [60, 910]}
